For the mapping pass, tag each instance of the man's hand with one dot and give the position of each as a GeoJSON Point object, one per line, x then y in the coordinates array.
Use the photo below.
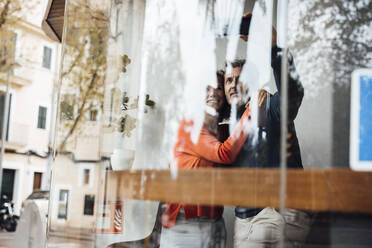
{"type": "Point", "coordinates": [262, 94]}
{"type": "Point", "coordinates": [244, 37]}
{"type": "Point", "coordinates": [289, 144]}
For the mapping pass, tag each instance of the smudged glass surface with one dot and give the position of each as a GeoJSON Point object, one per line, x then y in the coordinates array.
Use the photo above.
{"type": "Point", "coordinates": [135, 74]}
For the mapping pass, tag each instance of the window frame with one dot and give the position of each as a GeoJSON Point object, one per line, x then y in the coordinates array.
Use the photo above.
{"type": "Point", "coordinates": [92, 202]}
{"type": "Point", "coordinates": [65, 201]}
{"type": "Point", "coordinates": [81, 176]}
{"type": "Point", "coordinates": [41, 122]}
{"type": "Point", "coordinates": [86, 176]}
{"type": "Point", "coordinates": [71, 105]}
{"type": "Point", "coordinates": [3, 93]}
{"type": "Point", "coordinates": [47, 63]}
{"type": "Point", "coordinates": [96, 115]}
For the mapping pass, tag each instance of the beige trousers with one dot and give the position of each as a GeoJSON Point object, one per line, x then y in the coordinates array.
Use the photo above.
{"type": "Point", "coordinates": [265, 229]}
{"type": "Point", "coordinates": [194, 233]}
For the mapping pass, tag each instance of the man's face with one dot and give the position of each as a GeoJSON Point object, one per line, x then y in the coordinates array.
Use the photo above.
{"type": "Point", "coordinates": [233, 85]}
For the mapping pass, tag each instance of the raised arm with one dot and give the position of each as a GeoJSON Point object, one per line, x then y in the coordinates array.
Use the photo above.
{"type": "Point", "coordinates": [209, 148]}
{"type": "Point", "coordinates": [295, 89]}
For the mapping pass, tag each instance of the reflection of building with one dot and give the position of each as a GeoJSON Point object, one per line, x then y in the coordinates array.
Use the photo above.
{"type": "Point", "coordinates": [317, 118]}
{"type": "Point", "coordinates": [75, 193]}
{"type": "Point", "coordinates": [31, 87]}
{"type": "Point", "coordinates": [78, 173]}
{"type": "Point", "coordinates": [76, 181]}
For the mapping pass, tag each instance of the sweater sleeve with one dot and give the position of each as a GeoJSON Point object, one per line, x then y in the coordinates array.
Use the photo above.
{"type": "Point", "coordinates": [295, 88]}
{"type": "Point", "coordinates": [209, 148]}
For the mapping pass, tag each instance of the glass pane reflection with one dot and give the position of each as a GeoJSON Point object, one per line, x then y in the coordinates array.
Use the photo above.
{"type": "Point", "coordinates": [142, 88]}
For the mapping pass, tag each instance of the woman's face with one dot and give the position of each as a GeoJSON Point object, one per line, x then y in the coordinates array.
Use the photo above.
{"type": "Point", "coordinates": [215, 97]}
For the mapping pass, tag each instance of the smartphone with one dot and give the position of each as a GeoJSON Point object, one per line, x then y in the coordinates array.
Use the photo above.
{"type": "Point", "coordinates": [243, 29]}
{"type": "Point", "coordinates": [244, 25]}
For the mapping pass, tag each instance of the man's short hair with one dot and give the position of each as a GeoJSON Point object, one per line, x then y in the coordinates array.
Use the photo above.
{"type": "Point", "coordinates": [236, 63]}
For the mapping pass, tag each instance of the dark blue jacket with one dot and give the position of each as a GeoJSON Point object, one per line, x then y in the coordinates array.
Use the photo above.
{"type": "Point", "coordinates": [266, 152]}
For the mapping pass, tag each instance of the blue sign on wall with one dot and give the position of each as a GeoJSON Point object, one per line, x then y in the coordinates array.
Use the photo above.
{"type": "Point", "coordinates": [361, 120]}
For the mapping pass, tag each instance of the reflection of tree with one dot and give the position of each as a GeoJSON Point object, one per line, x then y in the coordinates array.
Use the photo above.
{"type": "Point", "coordinates": [329, 39]}
{"type": "Point", "coordinates": [8, 16]}
{"type": "Point", "coordinates": [127, 122]}
{"type": "Point", "coordinates": [8, 11]}
{"type": "Point", "coordinates": [67, 107]}
{"type": "Point", "coordinates": [127, 125]}
{"type": "Point", "coordinates": [353, 21]}
{"type": "Point", "coordinates": [7, 49]}
{"type": "Point", "coordinates": [85, 63]}
{"type": "Point", "coordinates": [330, 36]}
{"type": "Point", "coordinates": [125, 60]}
{"type": "Point", "coordinates": [12, 13]}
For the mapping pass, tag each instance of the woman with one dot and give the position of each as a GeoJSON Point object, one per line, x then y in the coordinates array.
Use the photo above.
{"type": "Point", "coordinates": [194, 225]}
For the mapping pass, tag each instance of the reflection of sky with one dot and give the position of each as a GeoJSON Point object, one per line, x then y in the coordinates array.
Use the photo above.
{"type": "Point", "coordinates": [365, 129]}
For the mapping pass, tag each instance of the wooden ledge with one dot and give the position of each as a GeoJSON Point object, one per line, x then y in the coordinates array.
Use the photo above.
{"type": "Point", "coordinates": [315, 190]}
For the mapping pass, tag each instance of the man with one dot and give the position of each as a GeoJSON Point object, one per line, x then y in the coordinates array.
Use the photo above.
{"type": "Point", "coordinates": [263, 227]}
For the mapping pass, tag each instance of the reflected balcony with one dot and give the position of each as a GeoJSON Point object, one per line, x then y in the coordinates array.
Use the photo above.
{"type": "Point", "coordinates": [18, 136]}
{"type": "Point", "coordinates": [16, 78]}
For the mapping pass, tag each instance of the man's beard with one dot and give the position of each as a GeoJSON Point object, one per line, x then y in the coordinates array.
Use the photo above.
{"type": "Point", "coordinates": [238, 101]}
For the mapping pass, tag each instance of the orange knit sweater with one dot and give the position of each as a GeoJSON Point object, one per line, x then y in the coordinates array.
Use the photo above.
{"type": "Point", "coordinates": [203, 154]}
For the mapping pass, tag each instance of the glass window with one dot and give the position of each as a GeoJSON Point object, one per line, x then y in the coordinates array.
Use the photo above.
{"type": "Point", "coordinates": [2, 112]}
{"type": "Point", "coordinates": [86, 176]}
{"type": "Point", "coordinates": [218, 113]}
{"type": "Point", "coordinates": [89, 204]}
{"type": "Point", "coordinates": [63, 204]}
{"type": "Point", "coordinates": [37, 180]}
{"type": "Point", "coordinates": [41, 120]}
{"type": "Point", "coordinates": [93, 115]}
{"type": "Point", "coordinates": [67, 109]}
{"type": "Point", "coordinates": [47, 57]}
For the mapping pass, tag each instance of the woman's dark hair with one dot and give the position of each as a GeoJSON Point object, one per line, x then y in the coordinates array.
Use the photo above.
{"type": "Point", "coordinates": [224, 112]}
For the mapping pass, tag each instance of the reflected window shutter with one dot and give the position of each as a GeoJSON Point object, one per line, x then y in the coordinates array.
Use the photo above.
{"type": "Point", "coordinates": [41, 123]}
{"type": "Point", "coordinates": [2, 112]}
{"type": "Point", "coordinates": [89, 204]}
{"type": "Point", "coordinates": [9, 112]}
{"type": "Point", "coordinates": [47, 57]}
